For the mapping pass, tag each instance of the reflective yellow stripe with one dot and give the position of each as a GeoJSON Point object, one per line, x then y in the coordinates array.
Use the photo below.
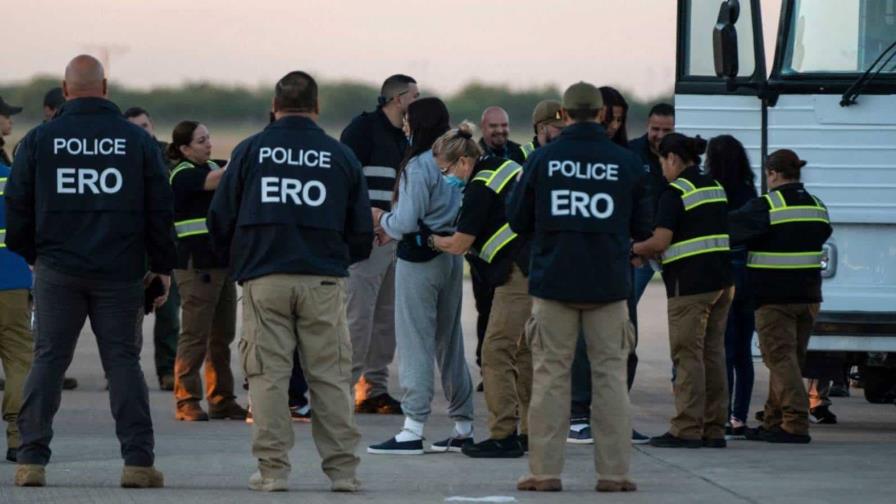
{"type": "Point", "coordinates": [692, 197]}
{"type": "Point", "coordinates": [2, 238]}
{"type": "Point", "coordinates": [499, 178]}
{"type": "Point", "coordinates": [498, 241]}
{"type": "Point", "coordinates": [696, 246]}
{"type": "Point", "coordinates": [527, 149]}
{"type": "Point", "coordinates": [798, 214]}
{"type": "Point", "coordinates": [785, 260]}
{"type": "Point", "coordinates": [185, 165]}
{"type": "Point", "coordinates": [2, 186]}
{"type": "Point", "coordinates": [190, 227]}
{"type": "Point", "coordinates": [484, 176]}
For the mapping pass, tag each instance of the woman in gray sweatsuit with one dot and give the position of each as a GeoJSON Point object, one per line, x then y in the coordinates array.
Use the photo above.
{"type": "Point", "coordinates": [428, 288]}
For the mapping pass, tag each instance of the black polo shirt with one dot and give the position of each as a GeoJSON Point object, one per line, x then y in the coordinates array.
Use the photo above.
{"type": "Point", "coordinates": [191, 201]}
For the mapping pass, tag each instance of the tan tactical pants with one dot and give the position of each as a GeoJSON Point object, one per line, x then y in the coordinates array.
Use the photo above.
{"type": "Point", "coordinates": [506, 359]}
{"type": "Point", "coordinates": [280, 312]}
{"type": "Point", "coordinates": [784, 331]}
{"type": "Point", "coordinates": [609, 337]}
{"type": "Point", "coordinates": [697, 342]}
{"type": "Point", "coordinates": [16, 347]}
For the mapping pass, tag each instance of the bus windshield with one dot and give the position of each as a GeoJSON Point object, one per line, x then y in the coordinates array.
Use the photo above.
{"type": "Point", "coordinates": [839, 36]}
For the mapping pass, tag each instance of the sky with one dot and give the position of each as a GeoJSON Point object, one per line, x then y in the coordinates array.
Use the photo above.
{"type": "Point", "coordinates": [442, 43]}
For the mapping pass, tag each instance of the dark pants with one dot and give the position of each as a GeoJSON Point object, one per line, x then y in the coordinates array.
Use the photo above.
{"type": "Point", "coordinates": [165, 331]}
{"type": "Point", "coordinates": [62, 303]}
{"type": "Point", "coordinates": [738, 340]}
{"type": "Point", "coordinates": [483, 293]}
{"type": "Point", "coordinates": [580, 405]}
{"type": "Point", "coordinates": [298, 387]}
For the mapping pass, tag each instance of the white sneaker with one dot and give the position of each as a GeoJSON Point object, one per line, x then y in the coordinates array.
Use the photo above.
{"type": "Point", "coordinates": [262, 484]}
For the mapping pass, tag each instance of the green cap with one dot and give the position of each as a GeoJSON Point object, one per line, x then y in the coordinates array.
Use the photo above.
{"type": "Point", "coordinates": [547, 111]}
{"type": "Point", "coordinates": [582, 96]}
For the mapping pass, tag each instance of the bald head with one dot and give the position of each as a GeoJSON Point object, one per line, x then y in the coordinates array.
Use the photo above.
{"type": "Point", "coordinates": [84, 77]}
{"type": "Point", "coordinates": [495, 125]}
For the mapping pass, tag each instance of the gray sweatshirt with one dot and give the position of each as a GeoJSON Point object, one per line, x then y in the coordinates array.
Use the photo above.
{"type": "Point", "coordinates": [422, 195]}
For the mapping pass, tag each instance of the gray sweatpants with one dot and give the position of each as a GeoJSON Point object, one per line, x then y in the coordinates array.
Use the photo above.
{"type": "Point", "coordinates": [428, 331]}
{"type": "Point", "coordinates": [371, 319]}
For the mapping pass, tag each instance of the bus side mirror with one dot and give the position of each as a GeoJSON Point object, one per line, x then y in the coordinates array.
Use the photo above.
{"type": "Point", "coordinates": [724, 42]}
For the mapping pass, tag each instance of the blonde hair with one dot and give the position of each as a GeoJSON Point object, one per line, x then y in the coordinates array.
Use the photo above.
{"type": "Point", "coordinates": [456, 143]}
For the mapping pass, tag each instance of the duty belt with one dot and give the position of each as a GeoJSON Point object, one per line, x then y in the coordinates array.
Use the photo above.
{"type": "Point", "coordinates": [190, 227]}
{"type": "Point", "coordinates": [785, 260]}
{"type": "Point", "coordinates": [692, 197]}
{"type": "Point", "coordinates": [696, 246]}
{"type": "Point", "coordinates": [781, 213]}
{"type": "Point", "coordinates": [496, 181]}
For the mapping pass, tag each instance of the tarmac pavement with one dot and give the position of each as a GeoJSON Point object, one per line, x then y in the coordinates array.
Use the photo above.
{"type": "Point", "coordinates": [854, 461]}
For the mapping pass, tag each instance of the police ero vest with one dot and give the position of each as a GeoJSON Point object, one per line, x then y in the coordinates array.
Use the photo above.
{"type": "Point", "coordinates": [496, 181]}
{"type": "Point", "coordinates": [190, 225]}
{"type": "Point", "coordinates": [698, 233]}
{"type": "Point", "coordinates": [793, 241]}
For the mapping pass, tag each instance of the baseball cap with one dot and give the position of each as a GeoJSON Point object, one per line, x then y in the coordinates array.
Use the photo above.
{"type": "Point", "coordinates": [7, 109]}
{"type": "Point", "coordinates": [547, 111]}
{"type": "Point", "coordinates": [582, 96]}
{"type": "Point", "coordinates": [54, 98]}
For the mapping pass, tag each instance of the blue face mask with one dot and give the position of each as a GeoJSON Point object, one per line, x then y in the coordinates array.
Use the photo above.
{"type": "Point", "coordinates": [454, 181]}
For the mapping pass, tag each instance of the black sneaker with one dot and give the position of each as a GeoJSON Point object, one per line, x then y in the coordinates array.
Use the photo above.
{"type": "Point", "coordinates": [508, 447]}
{"type": "Point", "coordinates": [638, 438]}
{"type": "Point", "coordinates": [454, 444]}
{"type": "Point", "coordinates": [395, 447]}
{"type": "Point", "coordinates": [383, 404]}
{"type": "Point", "coordinates": [732, 433]}
{"type": "Point", "coordinates": [822, 415]}
{"type": "Point", "coordinates": [779, 435]}
{"type": "Point", "coordinates": [757, 434]}
{"type": "Point", "coordinates": [580, 436]}
{"type": "Point", "coordinates": [667, 440]}
{"type": "Point", "coordinates": [714, 443]}
{"type": "Point", "coordinates": [69, 383]}
{"type": "Point", "coordinates": [524, 442]}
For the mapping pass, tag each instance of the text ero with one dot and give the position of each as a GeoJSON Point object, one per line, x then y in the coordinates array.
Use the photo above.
{"type": "Point", "coordinates": [289, 190]}
{"type": "Point", "coordinates": [84, 180]}
{"type": "Point", "coordinates": [580, 204]}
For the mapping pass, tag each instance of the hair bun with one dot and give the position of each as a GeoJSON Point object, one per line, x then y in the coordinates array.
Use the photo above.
{"type": "Point", "coordinates": [802, 163]}
{"type": "Point", "coordinates": [464, 134]}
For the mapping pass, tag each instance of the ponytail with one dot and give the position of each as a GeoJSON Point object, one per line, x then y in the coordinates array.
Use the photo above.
{"type": "Point", "coordinates": [457, 143]}
{"type": "Point", "coordinates": [182, 135]}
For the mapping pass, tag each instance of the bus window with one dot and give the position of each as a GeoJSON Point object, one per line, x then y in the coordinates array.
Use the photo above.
{"type": "Point", "coordinates": [839, 36]}
{"type": "Point", "coordinates": [701, 18]}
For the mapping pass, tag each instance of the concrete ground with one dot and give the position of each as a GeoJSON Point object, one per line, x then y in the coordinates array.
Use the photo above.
{"type": "Point", "coordinates": [854, 461]}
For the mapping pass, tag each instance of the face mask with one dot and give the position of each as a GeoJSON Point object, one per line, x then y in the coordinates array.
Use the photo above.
{"type": "Point", "coordinates": [454, 181]}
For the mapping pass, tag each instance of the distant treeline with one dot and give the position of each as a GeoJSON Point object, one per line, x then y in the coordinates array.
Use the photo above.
{"type": "Point", "coordinates": [340, 101]}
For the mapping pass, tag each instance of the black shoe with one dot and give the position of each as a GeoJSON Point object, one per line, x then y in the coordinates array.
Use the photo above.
{"type": "Point", "coordinates": [227, 411]}
{"type": "Point", "coordinates": [508, 447]}
{"type": "Point", "coordinates": [69, 383]}
{"type": "Point", "coordinates": [714, 443]}
{"type": "Point", "coordinates": [779, 435]}
{"type": "Point", "coordinates": [757, 434]}
{"type": "Point", "coordinates": [166, 382]}
{"type": "Point", "coordinates": [735, 432]}
{"type": "Point", "coordinates": [480, 387]}
{"type": "Point", "coordinates": [394, 447]}
{"type": "Point", "coordinates": [638, 438]}
{"type": "Point", "coordinates": [524, 442]}
{"type": "Point", "coordinates": [839, 390]}
{"type": "Point", "coordinates": [667, 440]}
{"type": "Point", "coordinates": [760, 416]}
{"type": "Point", "coordinates": [822, 415]}
{"type": "Point", "coordinates": [452, 444]}
{"type": "Point", "coordinates": [383, 404]}
{"type": "Point", "coordinates": [11, 454]}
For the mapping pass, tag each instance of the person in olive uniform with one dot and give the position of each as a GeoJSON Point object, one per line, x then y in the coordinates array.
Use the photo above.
{"type": "Point", "coordinates": [691, 236]}
{"type": "Point", "coordinates": [583, 198]}
{"type": "Point", "coordinates": [784, 232]}
{"type": "Point", "coordinates": [208, 295]}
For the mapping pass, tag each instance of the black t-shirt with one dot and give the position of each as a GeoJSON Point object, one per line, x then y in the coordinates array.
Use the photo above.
{"type": "Point", "coordinates": [704, 272]}
{"type": "Point", "coordinates": [191, 201]}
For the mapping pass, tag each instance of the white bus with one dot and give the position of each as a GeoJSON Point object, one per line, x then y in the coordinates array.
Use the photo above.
{"type": "Point", "coordinates": [830, 95]}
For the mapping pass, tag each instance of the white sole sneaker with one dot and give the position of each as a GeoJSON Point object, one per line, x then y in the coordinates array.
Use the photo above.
{"type": "Point", "coordinates": [375, 451]}
{"type": "Point", "coordinates": [262, 484]}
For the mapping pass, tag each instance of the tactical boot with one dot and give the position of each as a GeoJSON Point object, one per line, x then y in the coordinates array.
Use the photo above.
{"type": "Point", "coordinates": [228, 410]}
{"type": "Point", "coordinates": [30, 475]}
{"type": "Point", "coordinates": [141, 477]}
{"type": "Point", "coordinates": [190, 412]}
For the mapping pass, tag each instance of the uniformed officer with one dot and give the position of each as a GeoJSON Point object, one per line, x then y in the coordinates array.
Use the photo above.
{"type": "Point", "coordinates": [583, 197]}
{"type": "Point", "coordinates": [292, 213]}
{"type": "Point", "coordinates": [501, 258]}
{"type": "Point", "coordinates": [691, 235]}
{"type": "Point", "coordinates": [87, 202]}
{"type": "Point", "coordinates": [784, 232]}
{"type": "Point", "coordinates": [208, 295]}
{"type": "Point", "coordinates": [547, 121]}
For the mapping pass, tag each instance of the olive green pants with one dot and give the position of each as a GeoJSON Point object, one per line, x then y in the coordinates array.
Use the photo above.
{"type": "Point", "coordinates": [609, 337]}
{"type": "Point", "coordinates": [697, 341]}
{"type": "Point", "coordinates": [16, 349]}
{"type": "Point", "coordinates": [281, 312]}
{"type": "Point", "coordinates": [506, 359]}
{"type": "Point", "coordinates": [784, 331]}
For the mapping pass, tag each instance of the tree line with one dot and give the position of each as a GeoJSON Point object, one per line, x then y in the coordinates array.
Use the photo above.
{"type": "Point", "coordinates": [340, 101]}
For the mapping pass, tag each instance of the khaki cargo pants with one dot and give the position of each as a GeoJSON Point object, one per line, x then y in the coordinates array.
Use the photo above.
{"type": "Point", "coordinates": [784, 331]}
{"type": "Point", "coordinates": [697, 341]}
{"type": "Point", "coordinates": [281, 312]}
{"type": "Point", "coordinates": [506, 359]}
{"type": "Point", "coordinates": [609, 337]}
{"type": "Point", "coordinates": [16, 349]}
